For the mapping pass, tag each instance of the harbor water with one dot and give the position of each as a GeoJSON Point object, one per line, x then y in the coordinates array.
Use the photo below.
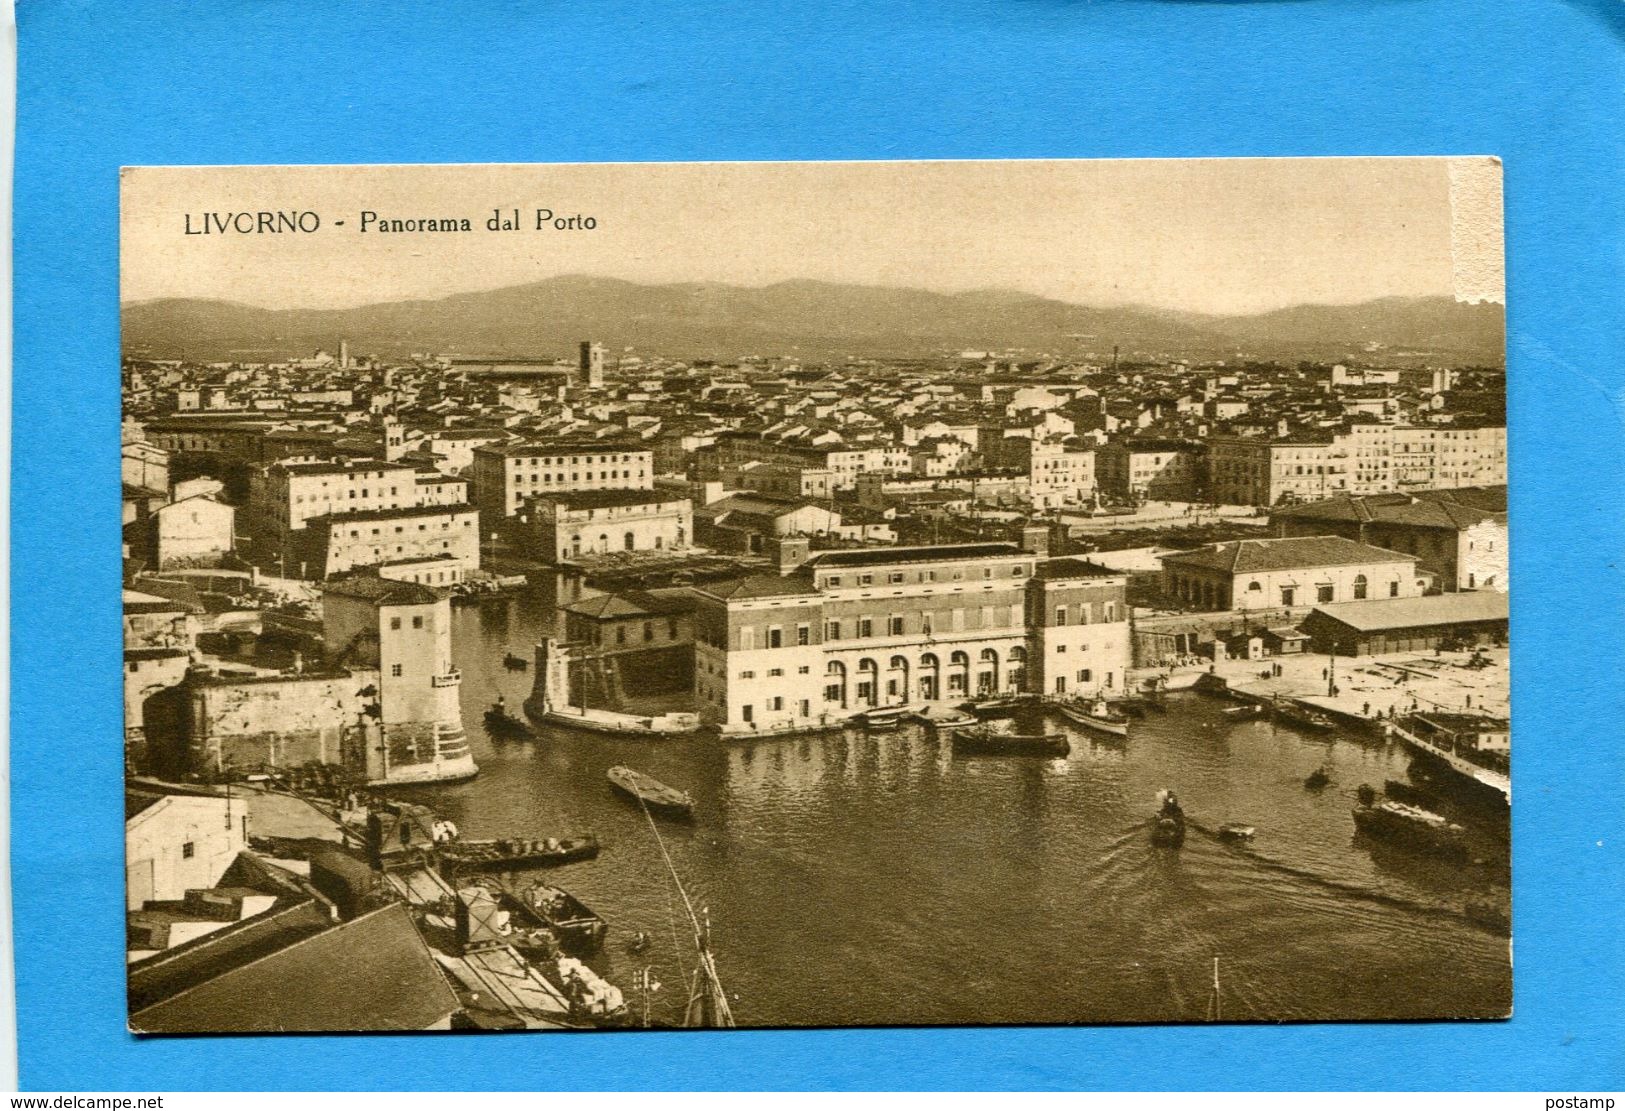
{"type": "Point", "coordinates": [856, 878]}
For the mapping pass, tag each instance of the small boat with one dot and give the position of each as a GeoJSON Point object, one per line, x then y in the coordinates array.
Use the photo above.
{"type": "Point", "coordinates": [1246, 711]}
{"type": "Point", "coordinates": [953, 719]}
{"type": "Point", "coordinates": [514, 663]}
{"type": "Point", "coordinates": [1236, 832]}
{"type": "Point", "coordinates": [996, 706]}
{"type": "Point", "coordinates": [1409, 825]}
{"type": "Point", "coordinates": [1317, 778]}
{"type": "Point", "coordinates": [578, 929]}
{"type": "Point", "coordinates": [881, 721]}
{"type": "Point", "coordinates": [500, 723]}
{"type": "Point", "coordinates": [986, 740]}
{"type": "Point", "coordinates": [513, 854]}
{"type": "Point", "coordinates": [650, 791]}
{"type": "Point", "coordinates": [1303, 717]}
{"type": "Point", "coordinates": [1168, 824]}
{"type": "Point", "coordinates": [1096, 715]}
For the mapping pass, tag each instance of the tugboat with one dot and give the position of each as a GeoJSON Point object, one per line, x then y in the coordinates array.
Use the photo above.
{"type": "Point", "coordinates": [1168, 827]}
{"type": "Point", "coordinates": [500, 723]}
{"type": "Point", "coordinates": [990, 741]}
{"type": "Point", "coordinates": [1409, 825]}
{"type": "Point", "coordinates": [1096, 714]}
{"type": "Point", "coordinates": [651, 792]}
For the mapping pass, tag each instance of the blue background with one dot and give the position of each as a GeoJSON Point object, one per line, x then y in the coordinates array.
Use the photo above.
{"type": "Point", "coordinates": [1538, 83]}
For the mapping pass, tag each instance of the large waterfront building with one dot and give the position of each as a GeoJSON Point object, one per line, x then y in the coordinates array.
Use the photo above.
{"type": "Point", "coordinates": [315, 519]}
{"type": "Point", "coordinates": [850, 631]}
{"type": "Point", "coordinates": [334, 544]}
{"type": "Point", "coordinates": [505, 475]}
{"type": "Point", "coordinates": [566, 526]}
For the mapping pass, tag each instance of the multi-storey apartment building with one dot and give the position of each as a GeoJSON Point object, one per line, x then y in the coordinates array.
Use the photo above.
{"type": "Point", "coordinates": [1155, 470]}
{"type": "Point", "coordinates": [1365, 459]}
{"type": "Point", "coordinates": [1057, 475]}
{"type": "Point", "coordinates": [850, 631]}
{"type": "Point", "coordinates": [507, 474]}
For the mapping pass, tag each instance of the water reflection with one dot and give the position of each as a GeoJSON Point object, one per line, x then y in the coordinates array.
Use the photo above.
{"type": "Point", "coordinates": [858, 878]}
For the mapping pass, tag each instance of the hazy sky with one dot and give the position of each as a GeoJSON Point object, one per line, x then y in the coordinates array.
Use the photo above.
{"type": "Point", "coordinates": [1204, 235]}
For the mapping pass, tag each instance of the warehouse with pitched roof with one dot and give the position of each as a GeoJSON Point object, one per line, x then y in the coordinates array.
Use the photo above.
{"type": "Point", "coordinates": [1298, 571]}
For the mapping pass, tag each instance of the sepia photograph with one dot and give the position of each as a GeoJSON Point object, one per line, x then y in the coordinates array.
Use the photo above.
{"type": "Point", "coordinates": [782, 594]}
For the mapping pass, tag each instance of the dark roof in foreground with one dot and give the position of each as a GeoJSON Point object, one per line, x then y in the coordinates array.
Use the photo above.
{"type": "Point", "coordinates": [1465, 607]}
{"type": "Point", "coordinates": [389, 592]}
{"type": "Point", "coordinates": [372, 973]}
{"type": "Point", "coordinates": [1071, 567]}
{"type": "Point", "coordinates": [1396, 509]}
{"type": "Point", "coordinates": [1240, 557]}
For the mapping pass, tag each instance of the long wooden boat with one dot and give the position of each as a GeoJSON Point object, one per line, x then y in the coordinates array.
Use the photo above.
{"type": "Point", "coordinates": [1244, 712]}
{"type": "Point", "coordinates": [1413, 826]}
{"type": "Point", "coordinates": [578, 929]}
{"type": "Point", "coordinates": [514, 854]}
{"type": "Point", "coordinates": [1095, 715]}
{"type": "Point", "coordinates": [986, 740]}
{"type": "Point", "coordinates": [996, 706]}
{"type": "Point", "coordinates": [1303, 717]}
{"type": "Point", "coordinates": [650, 791]}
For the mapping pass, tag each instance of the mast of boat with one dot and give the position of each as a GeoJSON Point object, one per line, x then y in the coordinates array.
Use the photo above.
{"type": "Point", "coordinates": [707, 1001]}
{"type": "Point", "coordinates": [1215, 1007]}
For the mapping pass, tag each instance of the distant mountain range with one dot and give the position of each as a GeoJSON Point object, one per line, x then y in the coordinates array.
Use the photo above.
{"type": "Point", "coordinates": [805, 319]}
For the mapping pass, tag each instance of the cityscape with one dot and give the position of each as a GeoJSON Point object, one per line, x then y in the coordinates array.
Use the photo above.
{"type": "Point", "coordinates": [777, 655]}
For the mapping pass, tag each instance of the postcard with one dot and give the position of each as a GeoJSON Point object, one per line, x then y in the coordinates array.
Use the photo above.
{"type": "Point", "coordinates": [815, 594]}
